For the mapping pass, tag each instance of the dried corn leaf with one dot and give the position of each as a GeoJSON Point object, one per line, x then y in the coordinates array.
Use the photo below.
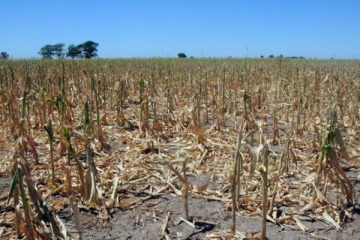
{"type": "Point", "coordinates": [309, 207]}
{"type": "Point", "coordinates": [300, 224]}
{"type": "Point", "coordinates": [329, 219]}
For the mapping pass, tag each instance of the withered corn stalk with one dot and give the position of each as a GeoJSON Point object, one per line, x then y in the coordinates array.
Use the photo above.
{"type": "Point", "coordinates": [48, 128]}
{"type": "Point", "coordinates": [328, 162]}
{"type": "Point", "coordinates": [263, 169]}
{"type": "Point", "coordinates": [52, 226]}
{"type": "Point", "coordinates": [92, 175]}
{"type": "Point", "coordinates": [235, 186]}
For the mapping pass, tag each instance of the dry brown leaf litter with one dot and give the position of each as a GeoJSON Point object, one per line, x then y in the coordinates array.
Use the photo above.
{"type": "Point", "coordinates": [202, 128]}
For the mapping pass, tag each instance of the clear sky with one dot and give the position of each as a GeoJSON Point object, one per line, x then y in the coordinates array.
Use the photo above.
{"type": "Point", "coordinates": [163, 28]}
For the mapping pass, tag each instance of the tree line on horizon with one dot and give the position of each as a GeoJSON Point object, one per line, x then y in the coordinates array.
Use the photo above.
{"type": "Point", "coordinates": [282, 56]}
{"type": "Point", "coordinates": [86, 50]}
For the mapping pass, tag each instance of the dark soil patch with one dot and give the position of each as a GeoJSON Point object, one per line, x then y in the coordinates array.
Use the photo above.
{"type": "Point", "coordinates": [4, 185]}
{"type": "Point", "coordinates": [145, 221]}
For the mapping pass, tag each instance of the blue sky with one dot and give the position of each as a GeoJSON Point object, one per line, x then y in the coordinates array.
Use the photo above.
{"type": "Point", "coordinates": [163, 28]}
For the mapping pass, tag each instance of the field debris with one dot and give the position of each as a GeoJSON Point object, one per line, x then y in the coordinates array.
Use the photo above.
{"type": "Point", "coordinates": [272, 138]}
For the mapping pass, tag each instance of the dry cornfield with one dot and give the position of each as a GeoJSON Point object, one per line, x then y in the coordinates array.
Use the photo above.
{"type": "Point", "coordinates": [105, 139]}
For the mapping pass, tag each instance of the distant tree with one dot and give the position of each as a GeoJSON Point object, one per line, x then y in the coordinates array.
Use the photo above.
{"type": "Point", "coordinates": [73, 51]}
{"type": "Point", "coordinates": [4, 55]}
{"type": "Point", "coordinates": [58, 50]}
{"type": "Point", "coordinates": [280, 56]}
{"type": "Point", "coordinates": [271, 56]}
{"type": "Point", "coordinates": [181, 55]}
{"type": "Point", "coordinates": [47, 51]}
{"type": "Point", "coordinates": [261, 56]}
{"type": "Point", "coordinates": [88, 49]}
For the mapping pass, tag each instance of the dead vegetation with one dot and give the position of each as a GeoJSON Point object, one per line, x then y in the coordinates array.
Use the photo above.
{"type": "Point", "coordinates": [109, 134]}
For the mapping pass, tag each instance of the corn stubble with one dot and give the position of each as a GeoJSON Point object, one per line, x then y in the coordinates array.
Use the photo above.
{"type": "Point", "coordinates": [107, 134]}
